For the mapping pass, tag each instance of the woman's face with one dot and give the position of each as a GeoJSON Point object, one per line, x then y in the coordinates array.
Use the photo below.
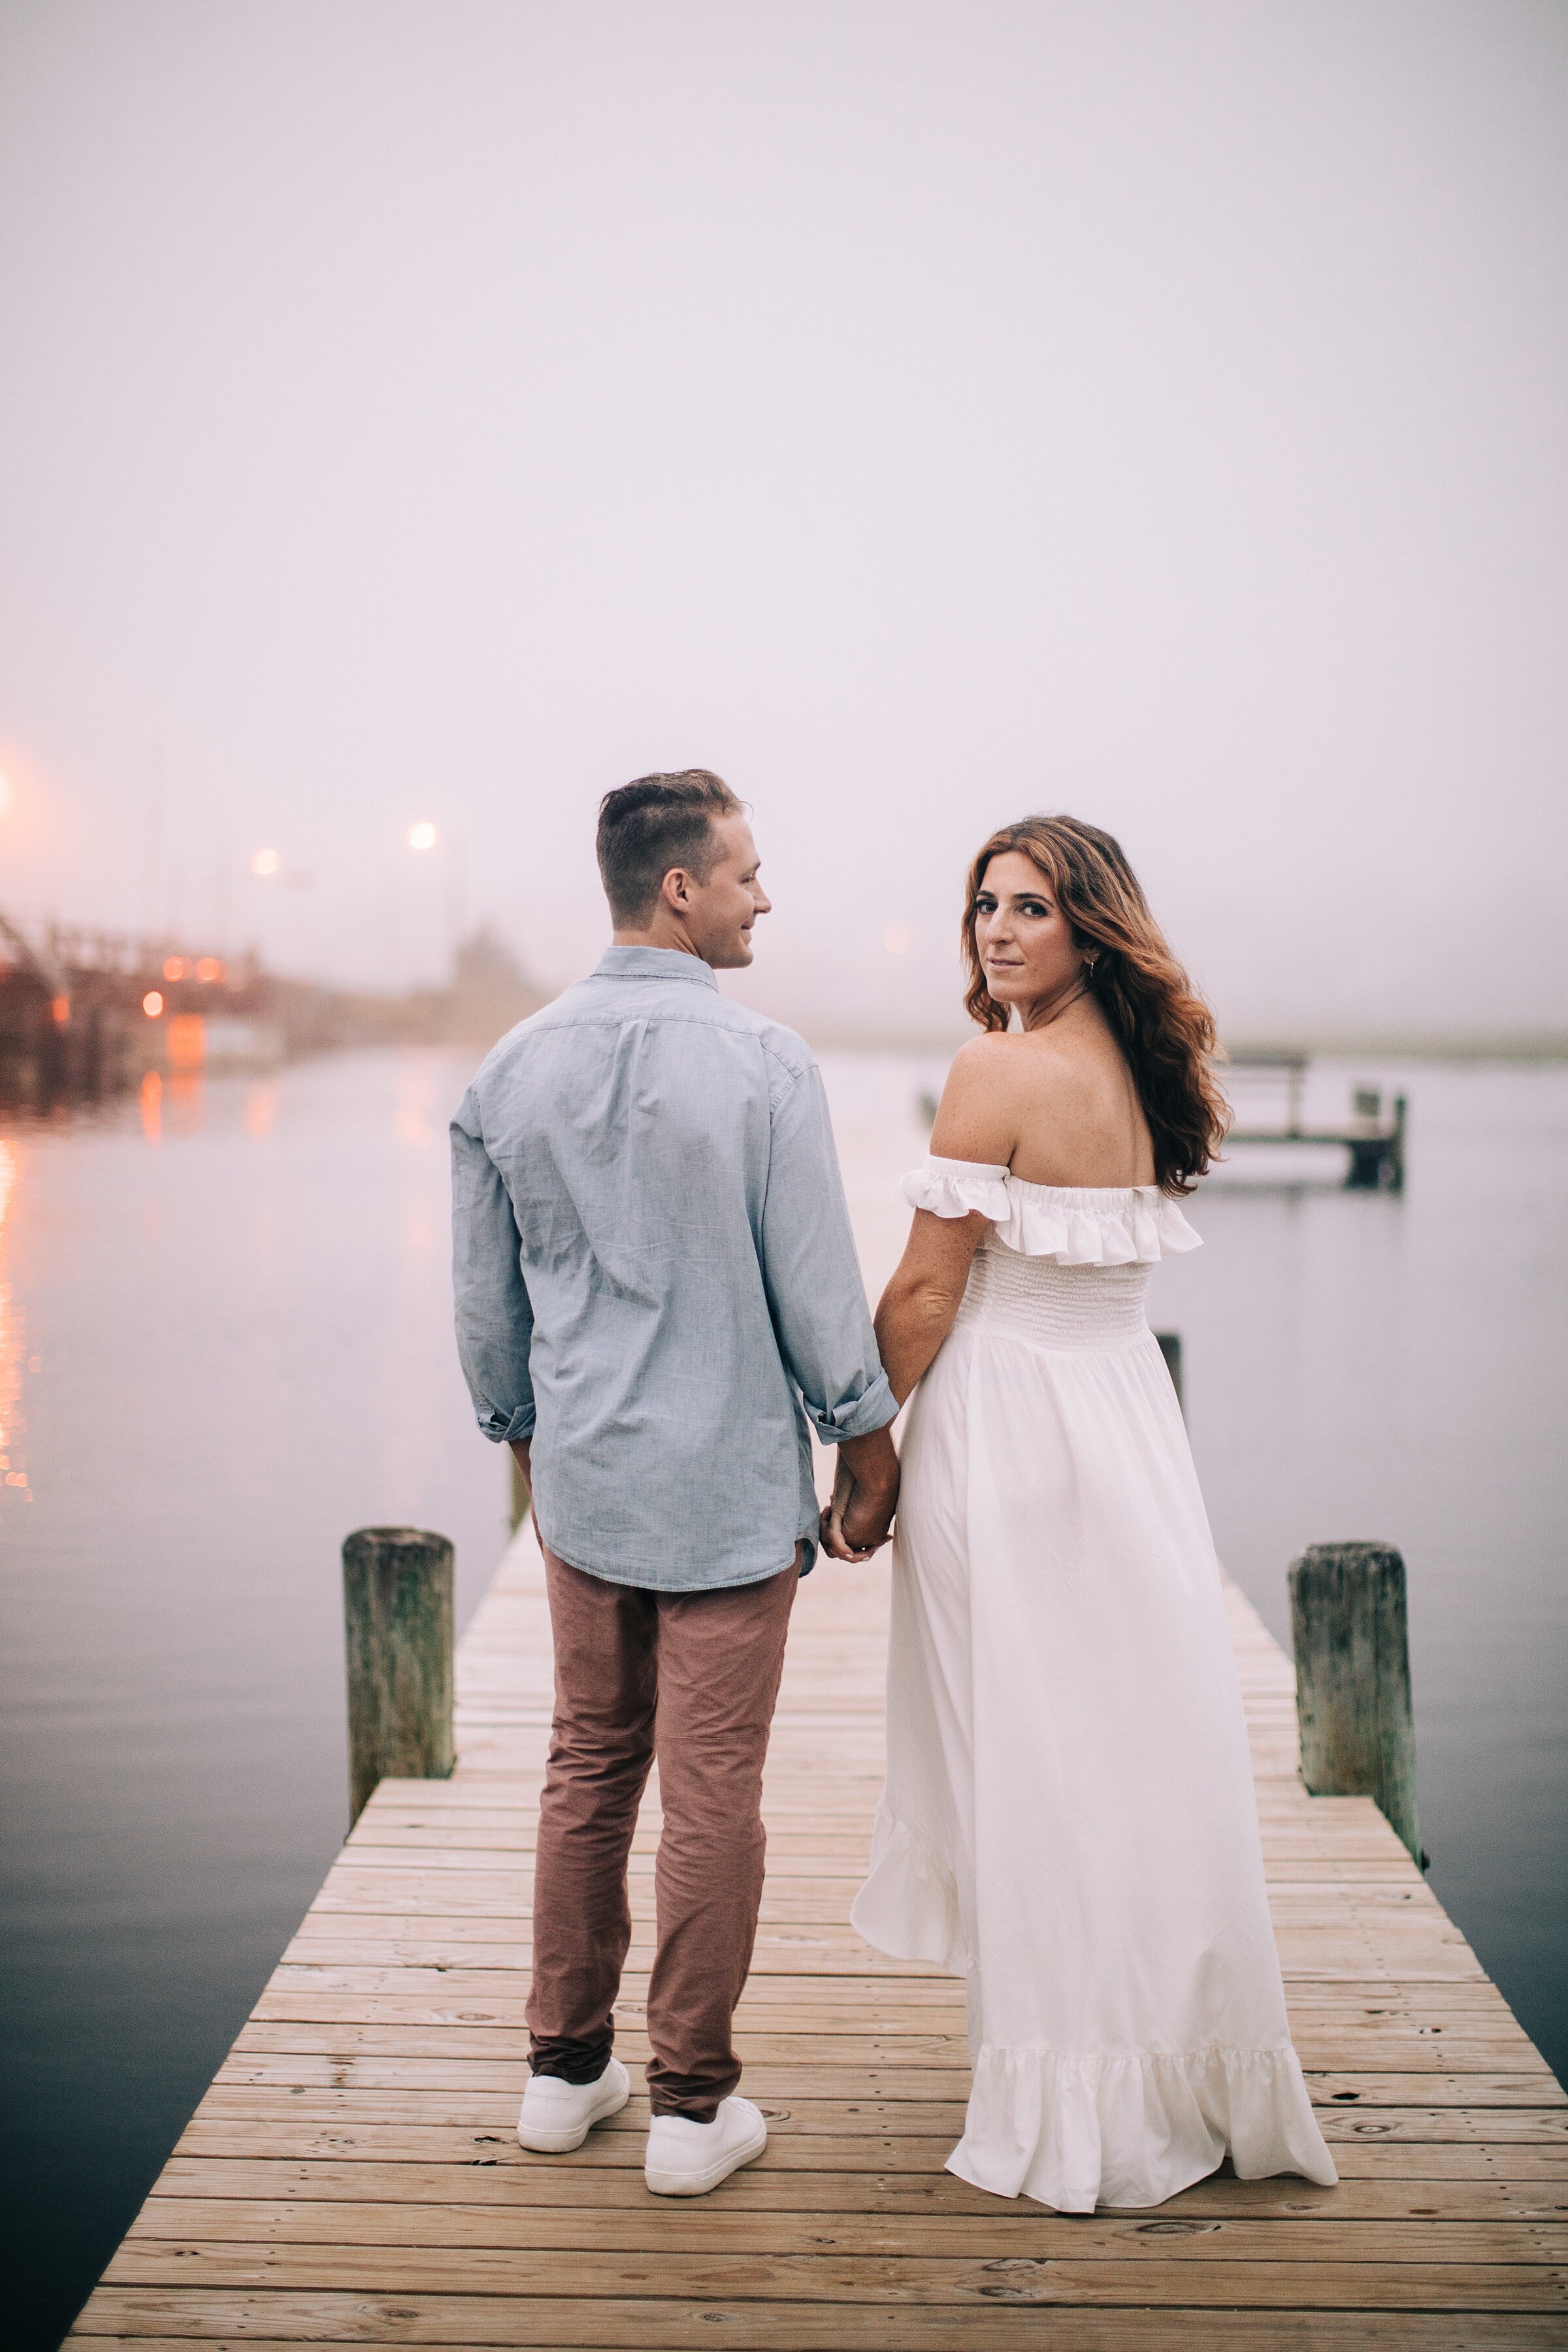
{"type": "Point", "coordinates": [1024, 940]}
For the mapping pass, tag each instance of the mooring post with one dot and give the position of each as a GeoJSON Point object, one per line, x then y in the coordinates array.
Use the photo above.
{"type": "Point", "coordinates": [1348, 1622]}
{"type": "Point", "coordinates": [398, 1618]}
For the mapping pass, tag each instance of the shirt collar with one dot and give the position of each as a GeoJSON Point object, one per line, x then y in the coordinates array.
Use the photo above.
{"type": "Point", "coordinates": [654, 963]}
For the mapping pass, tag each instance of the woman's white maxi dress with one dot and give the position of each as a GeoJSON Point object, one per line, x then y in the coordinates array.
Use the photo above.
{"type": "Point", "coordinates": [1068, 1819]}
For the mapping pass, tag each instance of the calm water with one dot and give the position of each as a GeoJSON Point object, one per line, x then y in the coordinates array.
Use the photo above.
{"type": "Point", "coordinates": [225, 1341]}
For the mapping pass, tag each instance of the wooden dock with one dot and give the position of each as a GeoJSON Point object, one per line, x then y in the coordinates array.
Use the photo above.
{"type": "Point", "coordinates": [352, 2175]}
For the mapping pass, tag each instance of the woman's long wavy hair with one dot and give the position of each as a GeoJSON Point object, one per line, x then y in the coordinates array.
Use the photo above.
{"type": "Point", "coordinates": [1163, 1026]}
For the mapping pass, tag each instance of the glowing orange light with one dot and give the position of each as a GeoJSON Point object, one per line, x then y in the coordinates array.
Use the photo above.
{"type": "Point", "coordinates": [176, 968]}
{"type": "Point", "coordinates": [153, 1107]}
{"type": "Point", "coordinates": [60, 1006]}
{"type": "Point", "coordinates": [209, 968]}
{"type": "Point", "coordinates": [422, 835]}
{"type": "Point", "coordinates": [266, 862]}
{"type": "Point", "coordinates": [187, 1041]}
{"type": "Point", "coordinates": [151, 1005]}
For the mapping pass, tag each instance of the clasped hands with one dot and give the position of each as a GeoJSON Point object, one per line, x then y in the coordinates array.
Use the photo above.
{"type": "Point", "coordinates": [856, 1523]}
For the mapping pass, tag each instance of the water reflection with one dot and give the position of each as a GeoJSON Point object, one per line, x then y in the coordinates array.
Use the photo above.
{"type": "Point", "coordinates": [13, 1345]}
{"type": "Point", "coordinates": [261, 1110]}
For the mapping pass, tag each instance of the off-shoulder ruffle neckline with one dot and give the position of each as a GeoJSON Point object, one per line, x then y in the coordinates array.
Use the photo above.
{"type": "Point", "coordinates": [1077, 1225]}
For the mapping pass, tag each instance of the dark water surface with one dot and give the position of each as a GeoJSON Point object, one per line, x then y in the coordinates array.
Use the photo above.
{"type": "Point", "coordinates": [225, 1340]}
{"type": "Point", "coordinates": [223, 1345]}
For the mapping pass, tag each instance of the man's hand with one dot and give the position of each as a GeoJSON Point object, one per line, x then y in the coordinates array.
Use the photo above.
{"type": "Point", "coordinates": [865, 1496]}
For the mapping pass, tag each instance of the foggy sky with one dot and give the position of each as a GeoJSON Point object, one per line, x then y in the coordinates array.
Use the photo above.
{"type": "Point", "coordinates": [917, 413]}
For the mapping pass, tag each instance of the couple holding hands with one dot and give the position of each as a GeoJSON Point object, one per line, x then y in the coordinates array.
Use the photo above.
{"type": "Point", "coordinates": [658, 1299]}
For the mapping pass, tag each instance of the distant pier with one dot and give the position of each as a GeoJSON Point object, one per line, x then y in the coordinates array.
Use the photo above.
{"type": "Point", "coordinates": [86, 1012]}
{"type": "Point", "coordinates": [1374, 1136]}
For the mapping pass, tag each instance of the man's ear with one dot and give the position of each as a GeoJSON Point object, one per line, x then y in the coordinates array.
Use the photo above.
{"type": "Point", "coordinates": [676, 889]}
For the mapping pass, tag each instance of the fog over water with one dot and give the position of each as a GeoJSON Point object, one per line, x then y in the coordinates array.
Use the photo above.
{"type": "Point", "coordinates": [917, 412]}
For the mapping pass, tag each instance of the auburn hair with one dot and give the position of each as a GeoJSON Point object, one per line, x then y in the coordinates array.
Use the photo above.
{"type": "Point", "coordinates": [1162, 1024]}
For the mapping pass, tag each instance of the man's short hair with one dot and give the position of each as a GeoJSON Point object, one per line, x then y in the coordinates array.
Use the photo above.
{"type": "Point", "coordinates": [646, 827]}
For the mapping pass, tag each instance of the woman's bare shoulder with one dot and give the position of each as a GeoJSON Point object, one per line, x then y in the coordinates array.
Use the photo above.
{"type": "Point", "coordinates": [986, 1086]}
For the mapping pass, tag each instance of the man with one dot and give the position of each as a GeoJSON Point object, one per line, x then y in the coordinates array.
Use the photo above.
{"type": "Point", "coordinates": [656, 1292]}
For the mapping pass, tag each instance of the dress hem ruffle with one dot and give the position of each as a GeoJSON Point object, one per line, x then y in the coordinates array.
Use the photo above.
{"type": "Point", "coordinates": [1072, 2129]}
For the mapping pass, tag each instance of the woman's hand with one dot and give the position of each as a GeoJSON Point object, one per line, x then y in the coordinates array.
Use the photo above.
{"type": "Point", "coordinates": [856, 1523]}
{"type": "Point", "coordinates": [833, 1516]}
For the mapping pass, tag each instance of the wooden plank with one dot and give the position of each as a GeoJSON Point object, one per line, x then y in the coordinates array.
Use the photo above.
{"type": "Point", "coordinates": [517, 2184]}
{"type": "Point", "coordinates": [235, 2107]}
{"type": "Point", "coordinates": [772, 2080]}
{"type": "Point", "coordinates": [151, 2320]}
{"type": "Point", "coordinates": [786, 2035]}
{"type": "Point", "coordinates": [978, 2235]}
{"type": "Point", "coordinates": [1430, 2284]}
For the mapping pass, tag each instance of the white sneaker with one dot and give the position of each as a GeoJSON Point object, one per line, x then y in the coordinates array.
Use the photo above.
{"type": "Point", "coordinates": [686, 2158]}
{"type": "Point", "coordinates": [558, 2115]}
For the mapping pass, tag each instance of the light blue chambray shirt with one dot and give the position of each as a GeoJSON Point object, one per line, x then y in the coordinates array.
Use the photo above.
{"type": "Point", "coordinates": [654, 1275]}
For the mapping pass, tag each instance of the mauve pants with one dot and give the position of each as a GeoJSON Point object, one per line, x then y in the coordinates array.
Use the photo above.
{"type": "Point", "coordinates": [693, 1676]}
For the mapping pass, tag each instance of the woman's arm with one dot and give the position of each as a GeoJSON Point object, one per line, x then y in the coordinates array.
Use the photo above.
{"type": "Point", "coordinates": [977, 1120]}
{"type": "Point", "coordinates": [914, 1320]}
{"type": "Point", "coordinates": [918, 1303]}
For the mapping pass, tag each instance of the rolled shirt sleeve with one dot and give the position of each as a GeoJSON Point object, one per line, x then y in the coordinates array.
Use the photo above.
{"type": "Point", "coordinates": [812, 1275]}
{"type": "Point", "coordinates": [495, 1320]}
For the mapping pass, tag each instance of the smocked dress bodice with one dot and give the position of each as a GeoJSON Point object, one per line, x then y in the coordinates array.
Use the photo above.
{"type": "Point", "coordinates": [1065, 1265]}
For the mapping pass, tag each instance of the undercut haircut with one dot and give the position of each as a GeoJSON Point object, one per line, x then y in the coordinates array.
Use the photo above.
{"type": "Point", "coordinates": [653, 824]}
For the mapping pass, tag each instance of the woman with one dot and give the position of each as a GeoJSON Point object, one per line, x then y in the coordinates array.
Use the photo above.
{"type": "Point", "coordinates": [1069, 1818]}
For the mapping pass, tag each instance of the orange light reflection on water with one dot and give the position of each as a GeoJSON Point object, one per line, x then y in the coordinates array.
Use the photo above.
{"type": "Point", "coordinates": [153, 1107]}
{"type": "Point", "coordinates": [13, 1340]}
{"type": "Point", "coordinates": [260, 1111]}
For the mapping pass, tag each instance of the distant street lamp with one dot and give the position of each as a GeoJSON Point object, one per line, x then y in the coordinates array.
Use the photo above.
{"type": "Point", "coordinates": [266, 862]}
{"type": "Point", "coordinates": [153, 1004]}
{"type": "Point", "coordinates": [422, 837]}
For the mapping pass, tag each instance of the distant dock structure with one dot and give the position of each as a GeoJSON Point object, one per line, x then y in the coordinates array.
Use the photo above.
{"type": "Point", "coordinates": [1374, 1136]}
{"type": "Point", "coordinates": [85, 1013]}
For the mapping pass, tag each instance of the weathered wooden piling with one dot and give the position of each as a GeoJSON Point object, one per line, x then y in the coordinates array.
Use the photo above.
{"type": "Point", "coordinates": [399, 1620]}
{"type": "Point", "coordinates": [1349, 1626]}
